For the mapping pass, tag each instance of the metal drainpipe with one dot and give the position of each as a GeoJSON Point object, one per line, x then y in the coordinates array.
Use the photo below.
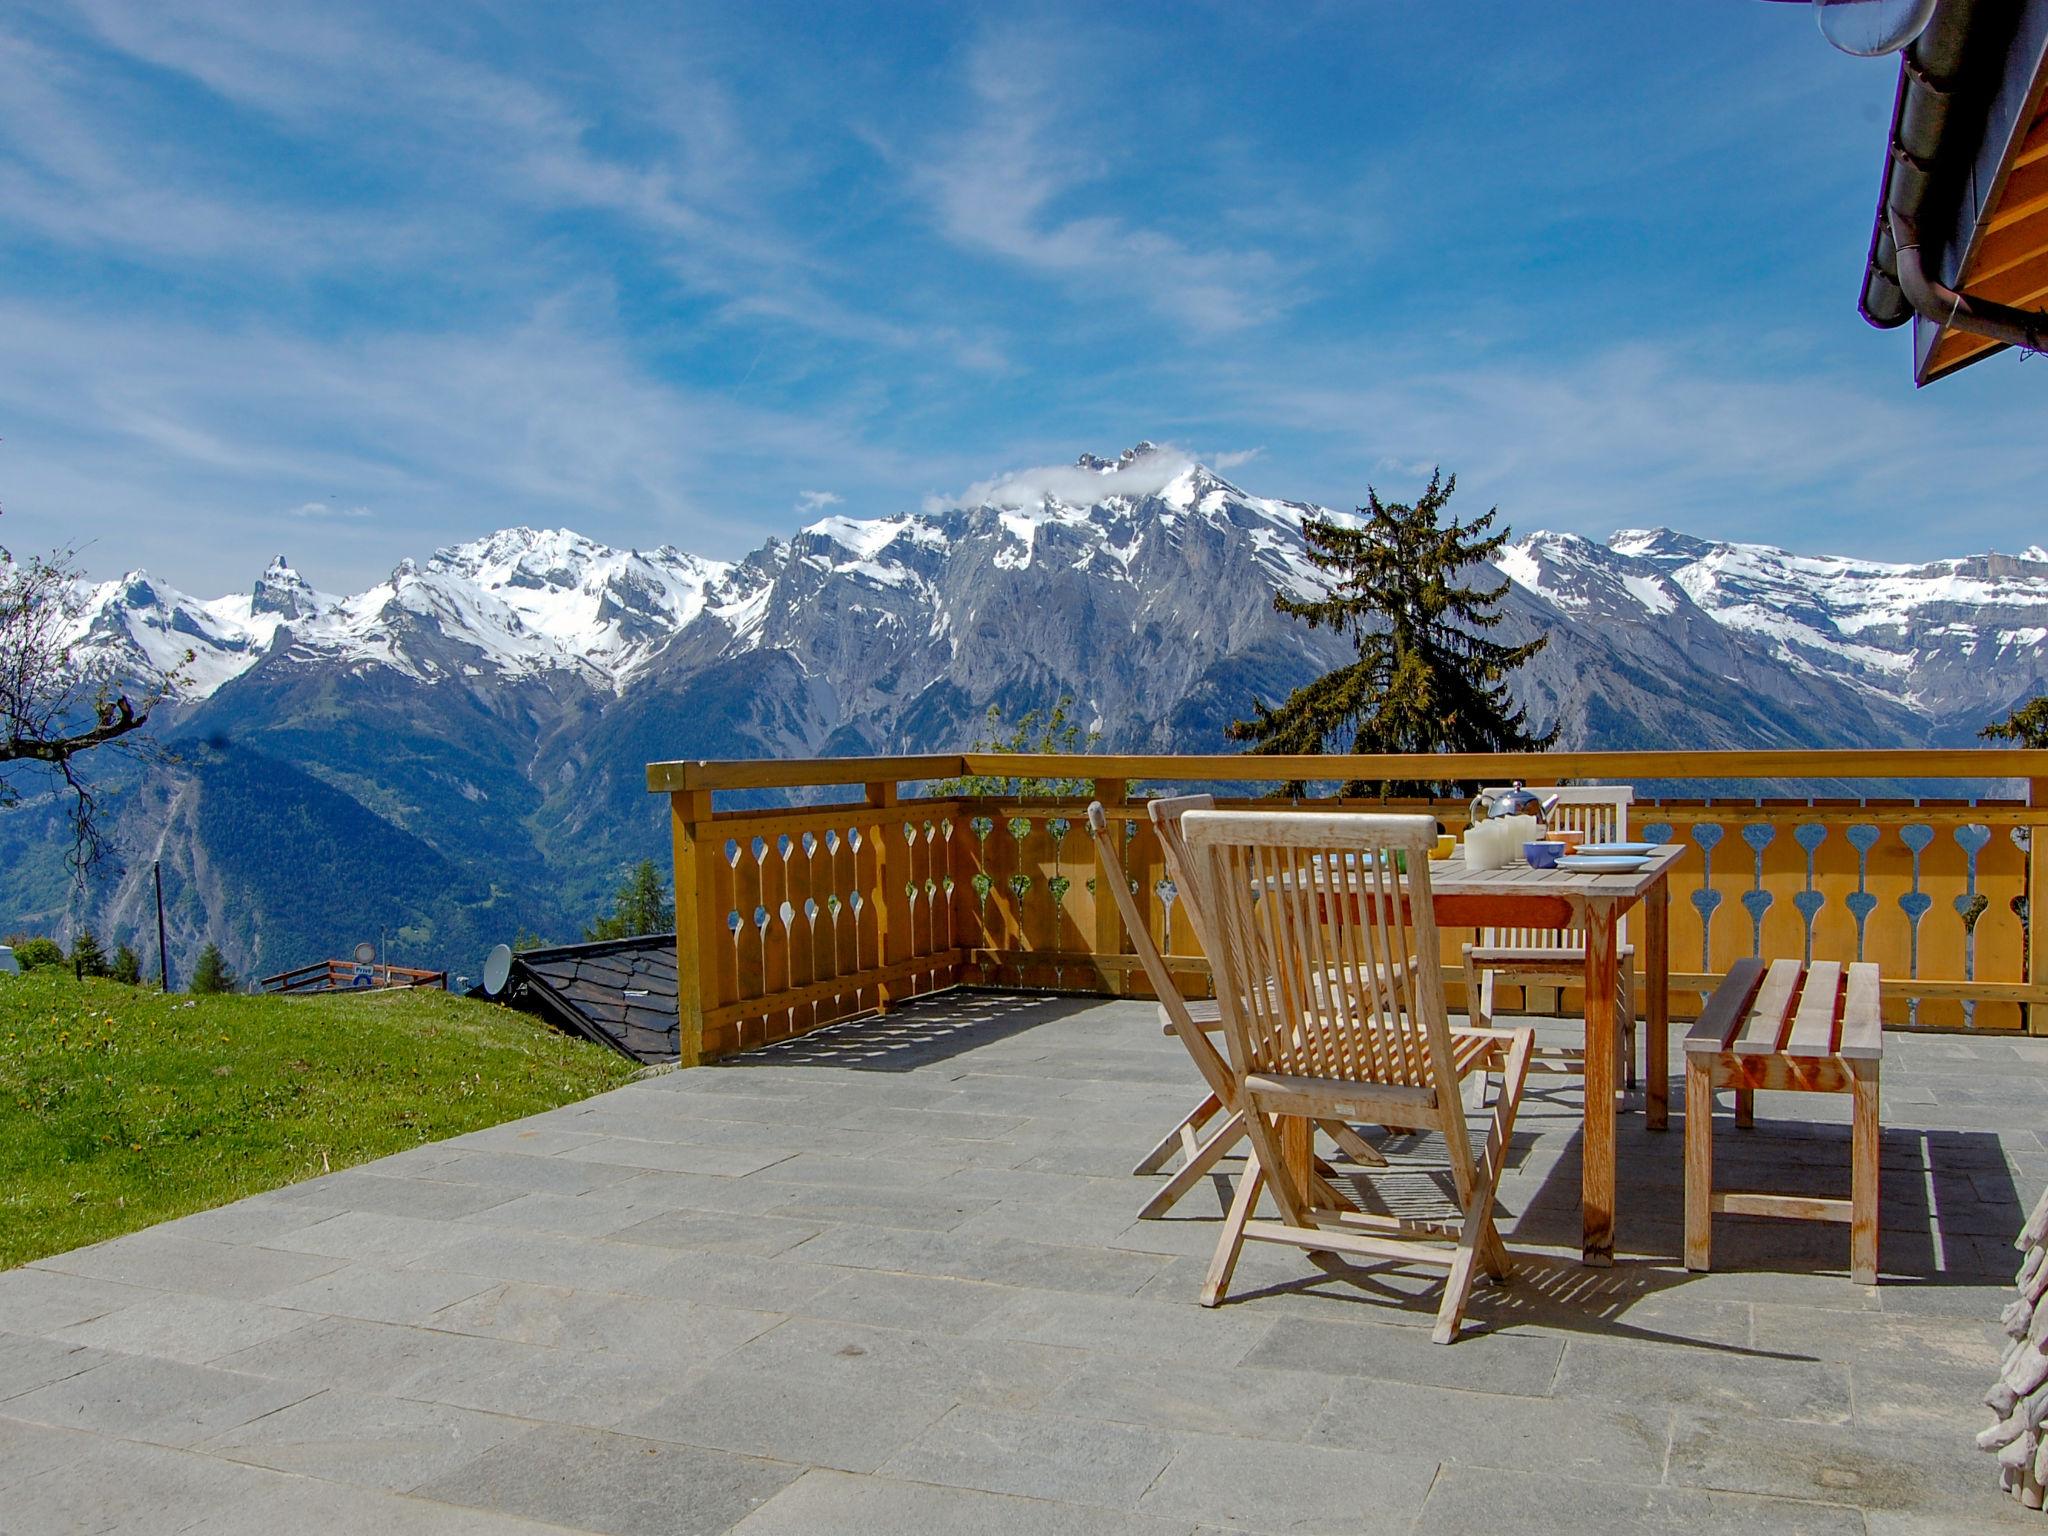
{"type": "Point", "coordinates": [2027, 328]}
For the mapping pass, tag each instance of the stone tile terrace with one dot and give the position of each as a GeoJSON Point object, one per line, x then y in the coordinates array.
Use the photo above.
{"type": "Point", "coordinates": [887, 1279]}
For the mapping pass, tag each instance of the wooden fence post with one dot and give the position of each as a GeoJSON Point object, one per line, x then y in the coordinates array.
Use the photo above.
{"type": "Point", "coordinates": [2037, 910]}
{"type": "Point", "coordinates": [1109, 937]}
{"type": "Point", "coordinates": [699, 925]}
{"type": "Point", "coordinates": [892, 906]}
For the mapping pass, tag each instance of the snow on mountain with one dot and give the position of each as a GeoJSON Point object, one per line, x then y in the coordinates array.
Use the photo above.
{"type": "Point", "coordinates": [896, 598]}
{"type": "Point", "coordinates": [1952, 639]}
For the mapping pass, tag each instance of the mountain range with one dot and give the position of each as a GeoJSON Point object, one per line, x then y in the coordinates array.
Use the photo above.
{"type": "Point", "coordinates": [456, 754]}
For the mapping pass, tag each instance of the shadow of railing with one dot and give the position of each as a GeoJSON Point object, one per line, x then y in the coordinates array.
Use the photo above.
{"type": "Point", "coordinates": [919, 1032]}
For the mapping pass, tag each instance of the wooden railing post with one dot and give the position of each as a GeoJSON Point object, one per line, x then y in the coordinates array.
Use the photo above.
{"type": "Point", "coordinates": [892, 906]}
{"type": "Point", "coordinates": [700, 927]}
{"type": "Point", "coordinates": [2037, 910]}
{"type": "Point", "coordinates": [1109, 937]}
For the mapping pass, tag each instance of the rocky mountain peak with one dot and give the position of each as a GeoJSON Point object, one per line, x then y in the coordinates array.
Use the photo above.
{"type": "Point", "coordinates": [283, 592]}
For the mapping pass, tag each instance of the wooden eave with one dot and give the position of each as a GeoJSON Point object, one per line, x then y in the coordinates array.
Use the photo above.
{"type": "Point", "coordinates": [2006, 259]}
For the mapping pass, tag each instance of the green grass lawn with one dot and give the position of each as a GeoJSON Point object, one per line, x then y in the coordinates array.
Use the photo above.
{"type": "Point", "coordinates": [120, 1107]}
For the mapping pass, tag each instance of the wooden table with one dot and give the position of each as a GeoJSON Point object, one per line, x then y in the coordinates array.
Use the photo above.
{"type": "Point", "coordinates": [1521, 897]}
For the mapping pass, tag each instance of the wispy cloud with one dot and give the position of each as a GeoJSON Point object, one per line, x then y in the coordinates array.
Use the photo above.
{"type": "Point", "coordinates": [322, 511]}
{"type": "Point", "coordinates": [810, 502]}
{"type": "Point", "coordinates": [1010, 183]}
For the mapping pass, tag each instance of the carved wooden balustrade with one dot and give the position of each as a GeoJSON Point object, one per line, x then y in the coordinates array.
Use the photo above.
{"type": "Point", "coordinates": [790, 918]}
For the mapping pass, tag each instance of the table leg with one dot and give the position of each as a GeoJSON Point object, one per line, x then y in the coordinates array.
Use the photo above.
{"type": "Point", "coordinates": [1657, 1004]}
{"type": "Point", "coordinates": [1597, 1143]}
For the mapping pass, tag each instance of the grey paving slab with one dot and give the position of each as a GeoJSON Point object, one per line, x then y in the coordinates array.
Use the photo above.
{"type": "Point", "coordinates": [1256, 1485]}
{"type": "Point", "coordinates": [364, 1439]}
{"type": "Point", "coordinates": [284, 1504]}
{"type": "Point", "coordinates": [926, 1302]}
{"type": "Point", "coordinates": [164, 1402]}
{"type": "Point", "coordinates": [378, 1235]}
{"type": "Point", "coordinates": [1257, 1404]}
{"type": "Point", "coordinates": [1007, 1261]}
{"type": "Point", "coordinates": [521, 1174]}
{"type": "Point", "coordinates": [825, 1503]}
{"type": "Point", "coordinates": [1038, 1455]}
{"type": "Point", "coordinates": [175, 1326]}
{"type": "Point", "coordinates": [542, 1258]}
{"type": "Point", "coordinates": [1476, 1501]}
{"type": "Point", "coordinates": [679, 1336]}
{"type": "Point", "coordinates": [593, 1481]}
{"type": "Point", "coordinates": [1939, 1475]}
{"type": "Point", "coordinates": [718, 1232]}
{"type": "Point", "coordinates": [378, 1357]}
{"type": "Point", "coordinates": [166, 1262]}
{"type": "Point", "coordinates": [1721, 1380]}
{"type": "Point", "coordinates": [45, 1300]}
{"type": "Point", "coordinates": [1506, 1363]}
{"type": "Point", "coordinates": [28, 1450]}
{"type": "Point", "coordinates": [379, 1187]}
{"type": "Point", "coordinates": [379, 1294]}
{"type": "Point", "coordinates": [1149, 1330]}
{"type": "Point", "coordinates": [27, 1362]}
{"type": "Point", "coordinates": [125, 1489]}
{"type": "Point", "coordinates": [625, 1157]}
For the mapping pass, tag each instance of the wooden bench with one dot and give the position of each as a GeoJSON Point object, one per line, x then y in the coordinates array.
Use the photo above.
{"type": "Point", "coordinates": [1789, 1028]}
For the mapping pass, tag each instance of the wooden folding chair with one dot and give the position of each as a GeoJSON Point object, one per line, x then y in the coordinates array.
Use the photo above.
{"type": "Point", "coordinates": [1552, 957]}
{"type": "Point", "coordinates": [1200, 1136]}
{"type": "Point", "coordinates": [1333, 1007]}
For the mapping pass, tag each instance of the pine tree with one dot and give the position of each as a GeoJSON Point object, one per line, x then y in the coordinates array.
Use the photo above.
{"type": "Point", "coordinates": [2026, 726]}
{"type": "Point", "coordinates": [211, 974]}
{"type": "Point", "coordinates": [87, 958]}
{"type": "Point", "coordinates": [640, 905]}
{"type": "Point", "coordinates": [1427, 678]}
{"type": "Point", "coordinates": [127, 966]}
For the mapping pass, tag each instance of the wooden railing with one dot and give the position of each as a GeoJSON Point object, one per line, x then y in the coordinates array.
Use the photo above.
{"type": "Point", "coordinates": [789, 919]}
{"type": "Point", "coordinates": [351, 976]}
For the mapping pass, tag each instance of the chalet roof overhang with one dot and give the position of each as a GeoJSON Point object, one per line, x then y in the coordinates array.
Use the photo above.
{"type": "Point", "coordinates": [618, 992]}
{"type": "Point", "coordinates": [1967, 168]}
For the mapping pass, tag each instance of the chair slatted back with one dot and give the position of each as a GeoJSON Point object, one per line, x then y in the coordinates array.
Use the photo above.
{"type": "Point", "coordinates": [1208, 1060]}
{"type": "Point", "coordinates": [1598, 811]}
{"type": "Point", "coordinates": [1326, 955]}
{"type": "Point", "coordinates": [1166, 813]}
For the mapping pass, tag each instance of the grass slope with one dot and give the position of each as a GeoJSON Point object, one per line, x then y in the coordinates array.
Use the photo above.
{"type": "Point", "coordinates": [121, 1107]}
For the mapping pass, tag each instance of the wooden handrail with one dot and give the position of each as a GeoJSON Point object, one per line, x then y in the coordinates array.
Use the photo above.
{"type": "Point", "coordinates": [1790, 763]}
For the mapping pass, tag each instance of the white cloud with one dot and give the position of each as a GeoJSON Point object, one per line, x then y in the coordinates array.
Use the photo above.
{"type": "Point", "coordinates": [325, 511]}
{"type": "Point", "coordinates": [1234, 459]}
{"type": "Point", "coordinates": [810, 502]}
{"type": "Point", "coordinates": [1003, 183]}
{"type": "Point", "coordinates": [1146, 474]}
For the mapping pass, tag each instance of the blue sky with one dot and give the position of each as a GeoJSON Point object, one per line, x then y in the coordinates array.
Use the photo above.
{"type": "Point", "coordinates": [353, 282]}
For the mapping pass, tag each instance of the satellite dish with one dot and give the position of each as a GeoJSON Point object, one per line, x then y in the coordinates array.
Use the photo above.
{"type": "Point", "coordinates": [366, 953]}
{"type": "Point", "coordinates": [1870, 28]}
{"type": "Point", "coordinates": [497, 969]}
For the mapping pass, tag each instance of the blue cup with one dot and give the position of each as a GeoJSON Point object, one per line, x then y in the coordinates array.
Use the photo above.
{"type": "Point", "coordinates": [1542, 855]}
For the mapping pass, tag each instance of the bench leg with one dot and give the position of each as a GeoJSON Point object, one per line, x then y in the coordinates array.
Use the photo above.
{"type": "Point", "coordinates": [1699, 1165]}
{"type": "Point", "coordinates": [1864, 1135]}
{"type": "Point", "coordinates": [1745, 1107]}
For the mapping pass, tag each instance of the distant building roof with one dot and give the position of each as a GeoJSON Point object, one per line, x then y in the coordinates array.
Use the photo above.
{"type": "Point", "coordinates": [1967, 163]}
{"type": "Point", "coordinates": [620, 993]}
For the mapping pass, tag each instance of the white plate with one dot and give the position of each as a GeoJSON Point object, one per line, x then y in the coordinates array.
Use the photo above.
{"type": "Point", "coordinates": [1591, 864]}
{"type": "Point", "coordinates": [1616, 850]}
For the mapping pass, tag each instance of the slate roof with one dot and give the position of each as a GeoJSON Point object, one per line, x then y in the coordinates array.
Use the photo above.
{"type": "Point", "coordinates": [620, 993]}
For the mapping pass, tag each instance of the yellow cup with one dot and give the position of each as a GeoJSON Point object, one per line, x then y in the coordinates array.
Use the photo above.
{"type": "Point", "coordinates": [1445, 847]}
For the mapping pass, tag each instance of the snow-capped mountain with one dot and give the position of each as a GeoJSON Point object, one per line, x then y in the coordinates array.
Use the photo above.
{"type": "Point", "coordinates": [476, 725]}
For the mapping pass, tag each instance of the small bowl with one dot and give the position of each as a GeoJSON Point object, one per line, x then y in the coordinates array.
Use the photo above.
{"type": "Point", "coordinates": [1542, 855]}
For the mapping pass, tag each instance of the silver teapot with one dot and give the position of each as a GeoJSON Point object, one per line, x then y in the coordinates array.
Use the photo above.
{"type": "Point", "coordinates": [1513, 801]}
